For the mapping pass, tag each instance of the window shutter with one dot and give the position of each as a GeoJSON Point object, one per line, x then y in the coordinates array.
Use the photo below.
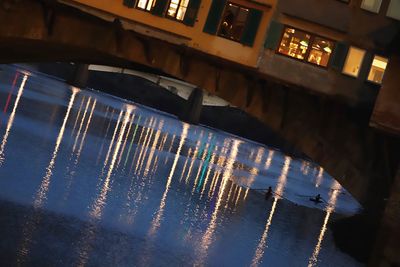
{"type": "Point", "coordinates": [366, 65]}
{"type": "Point", "coordinates": [191, 12]}
{"type": "Point", "coordinates": [159, 7]}
{"type": "Point", "coordinates": [129, 3]}
{"type": "Point", "coordinates": [339, 56]}
{"type": "Point", "coordinates": [251, 28]}
{"type": "Point", "coordinates": [214, 16]}
{"type": "Point", "coordinates": [274, 35]}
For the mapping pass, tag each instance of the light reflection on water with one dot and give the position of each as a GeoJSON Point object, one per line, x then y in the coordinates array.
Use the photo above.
{"type": "Point", "coordinates": [186, 193]}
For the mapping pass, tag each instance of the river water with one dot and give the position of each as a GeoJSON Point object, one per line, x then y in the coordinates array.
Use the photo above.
{"type": "Point", "coordinates": [87, 179]}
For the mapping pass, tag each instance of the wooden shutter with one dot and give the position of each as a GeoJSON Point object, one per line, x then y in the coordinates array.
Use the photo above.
{"type": "Point", "coordinates": [191, 12]}
{"type": "Point", "coordinates": [159, 7]}
{"type": "Point", "coordinates": [129, 3]}
{"type": "Point", "coordinates": [214, 16]}
{"type": "Point", "coordinates": [251, 28]}
{"type": "Point", "coordinates": [274, 35]}
{"type": "Point", "coordinates": [366, 65]}
{"type": "Point", "coordinates": [339, 56]}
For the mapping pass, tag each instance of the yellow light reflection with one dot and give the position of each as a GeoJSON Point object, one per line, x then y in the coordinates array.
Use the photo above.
{"type": "Point", "coordinates": [238, 196]}
{"type": "Point", "coordinates": [99, 203]}
{"type": "Point", "coordinates": [208, 235]}
{"type": "Point", "coordinates": [192, 161]}
{"type": "Point", "coordinates": [78, 154]}
{"type": "Point", "coordinates": [41, 194]}
{"type": "Point", "coordinates": [126, 139]}
{"type": "Point", "coordinates": [184, 166]}
{"type": "Point", "coordinates": [112, 141]}
{"type": "Point", "coordinates": [147, 147]}
{"type": "Point", "coordinates": [77, 116]}
{"type": "Point", "coordinates": [153, 148]}
{"type": "Point", "coordinates": [147, 138]}
{"type": "Point", "coordinates": [215, 182]}
{"type": "Point", "coordinates": [229, 195]}
{"type": "Point", "coordinates": [245, 194]}
{"type": "Point", "coordinates": [160, 150]}
{"type": "Point", "coordinates": [254, 171]}
{"type": "Point", "coordinates": [269, 159]}
{"type": "Point", "coordinates": [262, 244]}
{"type": "Point", "coordinates": [209, 168]}
{"type": "Point", "coordinates": [319, 177]}
{"type": "Point", "coordinates": [204, 155]}
{"type": "Point", "coordinates": [330, 208]}
{"type": "Point", "coordinates": [157, 219]}
{"type": "Point", "coordinates": [81, 125]}
{"type": "Point", "coordinates": [279, 191]}
{"type": "Point", "coordinates": [104, 138]}
{"type": "Point", "coordinates": [85, 131]}
{"type": "Point", "coordinates": [170, 148]}
{"type": "Point", "coordinates": [137, 145]}
{"type": "Point", "coordinates": [11, 119]}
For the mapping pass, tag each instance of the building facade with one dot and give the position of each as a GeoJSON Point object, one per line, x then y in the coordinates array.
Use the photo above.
{"type": "Point", "coordinates": [337, 48]}
{"type": "Point", "coordinates": [232, 30]}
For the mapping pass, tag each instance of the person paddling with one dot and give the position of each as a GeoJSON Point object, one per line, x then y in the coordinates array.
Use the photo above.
{"type": "Point", "coordinates": [317, 198]}
{"type": "Point", "coordinates": [269, 193]}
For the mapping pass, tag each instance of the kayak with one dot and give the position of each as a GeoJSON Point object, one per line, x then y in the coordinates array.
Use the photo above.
{"type": "Point", "coordinates": [315, 200]}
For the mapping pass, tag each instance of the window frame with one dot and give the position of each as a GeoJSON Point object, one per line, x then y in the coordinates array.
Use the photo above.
{"type": "Point", "coordinates": [373, 12]}
{"type": "Point", "coordinates": [144, 9]}
{"type": "Point", "coordinates": [176, 14]}
{"type": "Point", "coordinates": [387, 11]}
{"type": "Point", "coordinates": [370, 67]}
{"type": "Point", "coordinates": [361, 63]}
{"type": "Point", "coordinates": [220, 21]}
{"type": "Point", "coordinates": [307, 54]}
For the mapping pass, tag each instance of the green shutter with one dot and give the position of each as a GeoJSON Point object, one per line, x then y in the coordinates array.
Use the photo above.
{"type": "Point", "coordinates": [339, 56]}
{"type": "Point", "coordinates": [251, 28]}
{"type": "Point", "coordinates": [214, 16]}
{"type": "Point", "coordinates": [129, 3]}
{"type": "Point", "coordinates": [159, 7]}
{"type": "Point", "coordinates": [274, 35]}
{"type": "Point", "coordinates": [191, 12]}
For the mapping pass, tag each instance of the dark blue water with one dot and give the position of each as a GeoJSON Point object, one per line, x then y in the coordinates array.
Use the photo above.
{"type": "Point", "coordinates": [87, 179]}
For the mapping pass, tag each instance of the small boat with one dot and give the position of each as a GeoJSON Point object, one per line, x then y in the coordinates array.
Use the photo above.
{"type": "Point", "coordinates": [316, 200]}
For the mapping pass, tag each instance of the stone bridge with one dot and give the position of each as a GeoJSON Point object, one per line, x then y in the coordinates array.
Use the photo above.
{"type": "Point", "coordinates": [334, 134]}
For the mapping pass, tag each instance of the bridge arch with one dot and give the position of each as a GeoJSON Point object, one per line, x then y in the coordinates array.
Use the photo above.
{"type": "Point", "coordinates": [329, 131]}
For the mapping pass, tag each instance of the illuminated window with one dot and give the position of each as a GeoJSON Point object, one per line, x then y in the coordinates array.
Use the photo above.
{"type": "Point", "coordinates": [377, 70]}
{"type": "Point", "coordinates": [233, 22]}
{"type": "Point", "coordinates": [177, 9]}
{"type": "Point", "coordinates": [394, 9]}
{"type": "Point", "coordinates": [320, 51]}
{"type": "Point", "coordinates": [353, 61]}
{"type": "Point", "coordinates": [294, 43]}
{"type": "Point", "coordinates": [146, 4]}
{"type": "Point", "coordinates": [304, 46]}
{"type": "Point", "coordinates": [371, 5]}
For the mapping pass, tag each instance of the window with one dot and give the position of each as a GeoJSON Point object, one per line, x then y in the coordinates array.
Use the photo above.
{"type": "Point", "coordinates": [377, 70]}
{"type": "Point", "coordinates": [353, 61]}
{"type": "Point", "coordinates": [320, 51]}
{"type": "Point", "coordinates": [233, 22]}
{"type": "Point", "coordinates": [146, 4]}
{"type": "Point", "coordinates": [394, 9]}
{"type": "Point", "coordinates": [177, 9]}
{"type": "Point", "coordinates": [371, 5]}
{"type": "Point", "coordinates": [296, 43]}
